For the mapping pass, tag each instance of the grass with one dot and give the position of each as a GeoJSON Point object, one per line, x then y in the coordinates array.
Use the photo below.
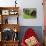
{"type": "Point", "coordinates": [25, 16]}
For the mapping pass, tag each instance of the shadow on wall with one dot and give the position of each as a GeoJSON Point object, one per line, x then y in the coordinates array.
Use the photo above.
{"type": "Point", "coordinates": [37, 29]}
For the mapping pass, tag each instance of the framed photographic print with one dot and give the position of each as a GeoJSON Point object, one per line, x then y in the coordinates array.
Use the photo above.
{"type": "Point", "coordinates": [29, 13]}
{"type": "Point", "coordinates": [13, 12]}
{"type": "Point", "coordinates": [5, 12]}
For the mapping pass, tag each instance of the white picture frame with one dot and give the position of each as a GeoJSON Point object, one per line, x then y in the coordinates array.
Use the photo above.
{"type": "Point", "coordinates": [5, 12]}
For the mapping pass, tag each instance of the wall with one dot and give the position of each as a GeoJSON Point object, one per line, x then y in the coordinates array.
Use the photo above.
{"type": "Point", "coordinates": [7, 3]}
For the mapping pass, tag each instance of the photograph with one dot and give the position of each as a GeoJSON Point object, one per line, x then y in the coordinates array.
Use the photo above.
{"type": "Point", "coordinates": [29, 13]}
